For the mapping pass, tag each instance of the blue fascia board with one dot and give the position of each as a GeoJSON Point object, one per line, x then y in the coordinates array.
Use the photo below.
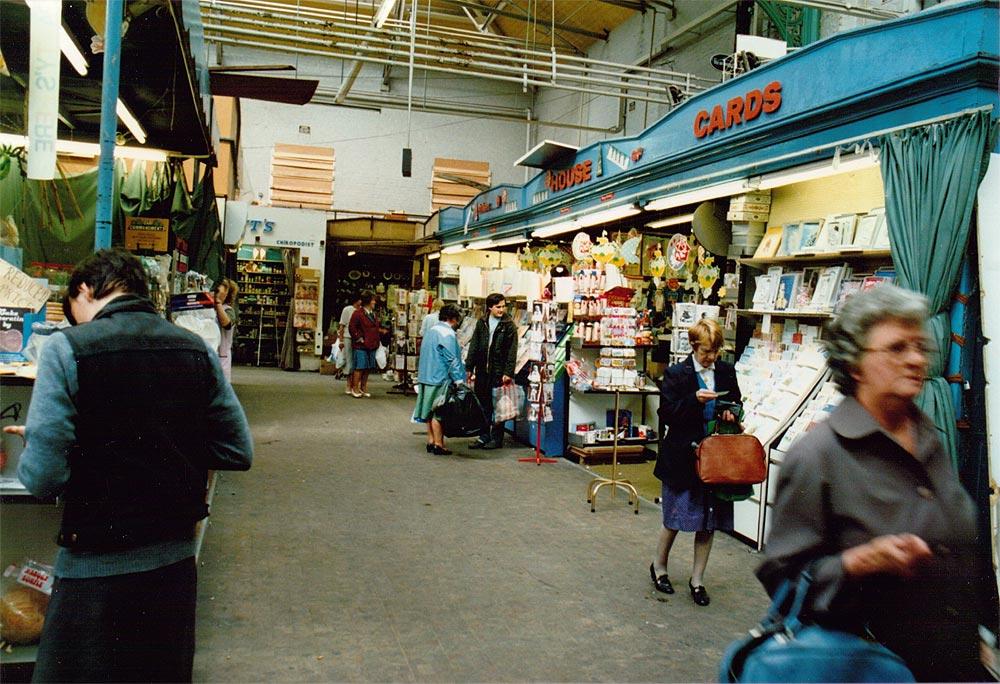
{"type": "Point", "coordinates": [861, 81]}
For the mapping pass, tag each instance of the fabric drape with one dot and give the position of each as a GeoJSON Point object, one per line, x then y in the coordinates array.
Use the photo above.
{"type": "Point", "coordinates": [931, 176]}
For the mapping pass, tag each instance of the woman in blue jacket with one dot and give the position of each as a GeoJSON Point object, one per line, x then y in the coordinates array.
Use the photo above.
{"type": "Point", "coordinates": [440, 365]}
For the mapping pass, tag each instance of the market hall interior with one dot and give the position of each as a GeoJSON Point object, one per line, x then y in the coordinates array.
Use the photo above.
{"type": "Point", "coordinates": [348, 553]}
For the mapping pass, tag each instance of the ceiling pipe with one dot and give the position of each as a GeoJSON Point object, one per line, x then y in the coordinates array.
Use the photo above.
{"type": "Point", "coordinates": [489, 64]}
{"type": "Point", "coordinates": [458, 37]}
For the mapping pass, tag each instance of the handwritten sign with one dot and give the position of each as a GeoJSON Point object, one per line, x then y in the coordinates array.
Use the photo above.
{"type": "Point", "coordinates": [142, 232]}
{"type": "Point", "coordinates": [18, 290]}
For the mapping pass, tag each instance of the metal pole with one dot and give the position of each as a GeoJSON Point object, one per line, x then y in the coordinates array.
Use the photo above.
{"type": "Point", "coordinates": [109, 122]}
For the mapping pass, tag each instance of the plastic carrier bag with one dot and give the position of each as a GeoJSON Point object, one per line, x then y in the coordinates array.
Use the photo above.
{"type": "Point", "coordinates": [381, 357]}
{"type": "Point", "coordinates": [25, 596]}
{"type": "Point", "coordinates": [508, 402]}
{"type": "Point", "coordinates": [460, 413]}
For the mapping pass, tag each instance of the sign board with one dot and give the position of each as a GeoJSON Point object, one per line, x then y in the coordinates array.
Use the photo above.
{"type": "Point", "coordinates": [18, 290]}
{"type": "Point", "coordinates": [142, 232]}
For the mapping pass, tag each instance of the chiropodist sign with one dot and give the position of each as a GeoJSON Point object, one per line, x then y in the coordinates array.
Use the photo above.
{"type": "Point", "coordinates": [738, 110]}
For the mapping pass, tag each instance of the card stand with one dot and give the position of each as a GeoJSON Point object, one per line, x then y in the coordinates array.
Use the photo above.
{"type": "Point", "coordinates": [538, 459]}
{"type": "Point", "coordinates": [613, 482]}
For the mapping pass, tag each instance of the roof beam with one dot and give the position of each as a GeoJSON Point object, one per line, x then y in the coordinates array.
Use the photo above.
{"type": "Point", "coordinates": [849, 8]}
{"type": "Point", "coordinates": [378, 19]}
{"type": "Point", "coordinates": [720, 7]}
{"type": "Point", "coordinates": [636, 5]}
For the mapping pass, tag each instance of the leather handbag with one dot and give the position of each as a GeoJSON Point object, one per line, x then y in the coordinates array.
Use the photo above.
{"type": "Point", "coordinates": [783, 648]}
{"type": "Point", "coordinates": [730, 460]}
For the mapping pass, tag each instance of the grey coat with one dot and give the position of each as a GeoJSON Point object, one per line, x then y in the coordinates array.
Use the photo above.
{"type": "Point", "coordinates": [846, 482]}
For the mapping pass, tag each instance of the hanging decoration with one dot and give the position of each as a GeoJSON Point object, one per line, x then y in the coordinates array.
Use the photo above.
{"type": "Point", "coordinates": [678, 251]}
{"type": "Point", "coordinates": [581, 247]}
{"type": "Point", "coordinates": [657, 266]}
{"type": "Point", "coordinates": [630, 248]}
{"type": "Point", "coordinates": [527, 259]}
{"type": "Point", "coordinates": [550, 255]}
{"type": "Point", "coordinates": [708, 272]}
{"type": "Point", "coordinates": [603, 251]}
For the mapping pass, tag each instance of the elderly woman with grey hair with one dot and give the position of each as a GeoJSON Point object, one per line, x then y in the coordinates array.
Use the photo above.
{"type": "Point", "coordinates": [869, 504]}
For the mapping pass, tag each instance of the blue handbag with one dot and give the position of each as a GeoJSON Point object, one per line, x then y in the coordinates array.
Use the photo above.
{"type": "Point", "coordinates": [784, 649]}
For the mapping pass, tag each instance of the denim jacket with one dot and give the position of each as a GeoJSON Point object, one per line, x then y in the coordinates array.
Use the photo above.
{"type": "Point", "coordinates": [440, 357]}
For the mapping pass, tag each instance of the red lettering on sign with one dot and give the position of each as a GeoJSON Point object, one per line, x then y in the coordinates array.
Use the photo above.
{"type": "Point", "coordinates": [738, 110]}
{"type": "Point", "coordinates": [567, 178]}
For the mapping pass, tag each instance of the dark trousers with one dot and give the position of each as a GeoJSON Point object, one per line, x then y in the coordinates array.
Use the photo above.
{"type": "Point", "coordinates": [137, 627]}
{"type": "Point", "coordinates": [489, 432]}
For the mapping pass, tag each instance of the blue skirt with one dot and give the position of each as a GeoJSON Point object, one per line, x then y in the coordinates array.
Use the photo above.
{"type": "Point", "coordinates": [695, 510]}
{"type": "Point", "coordinates": [364, 360]}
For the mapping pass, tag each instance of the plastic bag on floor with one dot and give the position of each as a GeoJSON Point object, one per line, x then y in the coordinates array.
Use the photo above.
{"type": "Point", "coordinates": [460, 413]}
{"type": "Point", "coordinates": [508, 402]}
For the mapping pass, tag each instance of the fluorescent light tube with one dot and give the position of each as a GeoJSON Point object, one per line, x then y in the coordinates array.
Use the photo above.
{"type": "Point", "coordinates": [670, 221]}
{"type": "Point", "coordinates": [434, 255]}
{"type": "Point", "coordinates": [727, 189]}
{"type": "Point", "coordinates": [384, 10]}
{"type": "Point", "coordinates": [513, 240]}
{"type": "Point", "coordinates": [85, 149]}
{"type": "Point", "coordinates": [351, 253]}
{"type": "Point", "coordinates": [453, 249]}
{"type": "Point", "coordinates": [480, 244]}
{"type": "Point", "coordinates": [131, 123]}
{"type": "Point", "coordinates": [823, 169]}
{"type": "Point", "coordinates": [606, 215]}
{"type": "Point", "coordinates": [68, 46]}
{"type": "Point", "coordinates": [555, 229]}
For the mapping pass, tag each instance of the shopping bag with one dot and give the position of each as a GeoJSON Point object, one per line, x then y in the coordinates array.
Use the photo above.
{"type": "Point", "coordinates": [337, 356]}
{"type": "Point", "coordinates": [508, 402]}
{"type": "Point", "coordinates": [460, 413]}
{"type": "Point", "coordinates": [381, 357]}
{"type": "Point", "coordinates": [730, 460]}
{"type": "Point", "coordinates": [785, 647]}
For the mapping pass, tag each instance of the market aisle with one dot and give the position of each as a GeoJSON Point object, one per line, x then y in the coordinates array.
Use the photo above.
{"type": "Point", "coordinates": [350, 554]}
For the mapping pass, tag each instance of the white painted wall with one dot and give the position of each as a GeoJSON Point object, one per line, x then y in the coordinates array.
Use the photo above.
{"type": "Point", "coordinates": [368, 144]}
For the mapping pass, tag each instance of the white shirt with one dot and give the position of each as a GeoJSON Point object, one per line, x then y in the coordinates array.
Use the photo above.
{"type": "Point", "coordinates": [345, 320]}
{"type": "Point", "coordinates": [707, 374]}
{"type": "Point", "coordinates": [494, 323]}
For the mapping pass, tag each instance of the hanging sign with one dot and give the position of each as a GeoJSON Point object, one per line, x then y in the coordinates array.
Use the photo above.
{"type": "Point", "coordinates": [738, 110]}
{"type": "Point", "coordinates": [143, 232]}
{"type": "Point", "coordinates": [43, 89]}
{"type": "Point", "coordinates": [20, 290]}
{"type": "Point", "coordinates": [678, 251]}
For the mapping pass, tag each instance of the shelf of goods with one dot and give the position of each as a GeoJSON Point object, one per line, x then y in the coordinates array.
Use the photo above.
{"type": "Point", "coordinates": [782, 371]}
{"type": "Point", "coordinates": [409, 307]}
{"type": "Point", "coordinates": [306, 309]}
{"type": "Point", "coordinates": [264, 304]}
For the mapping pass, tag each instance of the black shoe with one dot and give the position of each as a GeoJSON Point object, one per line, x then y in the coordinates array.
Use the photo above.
{"type": "Point", "coordinates": [699, 594]}
{"type": "Point", "coordinates": [441, 451]}
{"type": "Point", "coordinates": [662, 583]}
{"type": "Point", "coordinates": [430, 448]}
{"type": "Point", "coordinates": [478, 444]}
{"type": "Point", "coordinates": [490, 445]}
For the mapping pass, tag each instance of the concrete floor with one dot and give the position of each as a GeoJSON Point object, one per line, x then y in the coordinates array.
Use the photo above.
{"type": "Point", "coordinates": [347, 553]}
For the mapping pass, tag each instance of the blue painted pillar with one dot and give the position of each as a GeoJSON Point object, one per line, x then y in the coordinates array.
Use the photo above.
{"type": "Point", "coordinates": [109, 123]}
{"type": "Point", "coordinates": [958, 328]}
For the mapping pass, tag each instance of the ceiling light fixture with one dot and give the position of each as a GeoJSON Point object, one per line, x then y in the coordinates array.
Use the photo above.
{"type": "Point", "coordinates": [434, 255]}
{"type": "Point", "coordinates": [670, 221]}
{"type": "Point", "coordinates": [351, 253]}
{"type": "Point", "coordinates": [480, 244]}
{"type": "Point", "coordinates": [453, 249]}
{"type": "Point", "coordinates": [512, 240]}
{"type": "Point", "coordinates": [607, 215]}
{"type": "Point", "coordinates": [131, 123]}
{"type": "Point", "coordinates": [555, 229]}
{"type": "Point", "coordinates": [727, 189]}
{"type": "Point", "coordinates": [85, 149]}
{"type": "Point", "coordinates": [817, 170]}
{"type": "Point", "coordinates": [69, 47]}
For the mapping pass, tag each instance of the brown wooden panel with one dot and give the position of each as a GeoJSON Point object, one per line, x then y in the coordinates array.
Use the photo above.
{"type": "Point", "coordinates": [453, 189]}
{"type": "Point", "coordinates": [311, 197]}
{"type": "Point", "coordinates": [302, 185]}
{"type": "Point", "coordinates": [286, 171]}
{"type": "Point", "coordinates": [303, 164]}
{"type": "Point", "coordinates": [300, 205]}
{"type": "Point", "coordinates": [460, 165]}
{"type": "Point", "coordinates": [303, 152]}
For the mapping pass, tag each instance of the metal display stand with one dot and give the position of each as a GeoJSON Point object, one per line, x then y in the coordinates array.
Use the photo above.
{"type": "Point", "coordinates": [613, 482]}
{"type": "Point", "coordinates": [538, 459]}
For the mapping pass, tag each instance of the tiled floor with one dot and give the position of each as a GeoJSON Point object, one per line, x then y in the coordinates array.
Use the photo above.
{"type": "Point", "coordinates": [350, 554]}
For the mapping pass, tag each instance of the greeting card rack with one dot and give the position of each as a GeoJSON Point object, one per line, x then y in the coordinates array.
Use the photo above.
{"type": "Point", "coordinates": [539, 402]}
{"type": "Point", "coordinates": [613, 482]}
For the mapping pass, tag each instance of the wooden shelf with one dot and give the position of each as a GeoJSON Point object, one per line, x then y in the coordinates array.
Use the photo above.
{"type": "Point", "coordinates": [843, 255]}
{"type": "Point", "coordinates": [786, 314]}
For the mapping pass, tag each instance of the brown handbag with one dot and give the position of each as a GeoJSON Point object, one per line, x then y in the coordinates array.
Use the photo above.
{"type": "Point", "coordinates": [730, 460]}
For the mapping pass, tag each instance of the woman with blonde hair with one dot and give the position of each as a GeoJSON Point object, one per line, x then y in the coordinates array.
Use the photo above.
{"type": "Point", "coordinates": [688, 394]}
{"type": "Point", "coordinates": [226, 291]}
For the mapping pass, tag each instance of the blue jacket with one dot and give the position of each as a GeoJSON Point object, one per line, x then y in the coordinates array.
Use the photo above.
{"type": "Point", "coordinates": [440, 357]}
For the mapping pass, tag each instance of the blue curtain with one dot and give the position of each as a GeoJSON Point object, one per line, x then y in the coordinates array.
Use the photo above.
{"type": "Point", "coordinates": [931, 176]}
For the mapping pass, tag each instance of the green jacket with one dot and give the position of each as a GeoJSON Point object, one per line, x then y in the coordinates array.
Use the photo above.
{"type": "Point", "coordinates": [492, 362]}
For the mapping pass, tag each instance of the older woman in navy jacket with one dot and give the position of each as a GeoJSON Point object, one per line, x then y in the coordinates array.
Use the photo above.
{"type": "Point", "coordinates": [687, 402]}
